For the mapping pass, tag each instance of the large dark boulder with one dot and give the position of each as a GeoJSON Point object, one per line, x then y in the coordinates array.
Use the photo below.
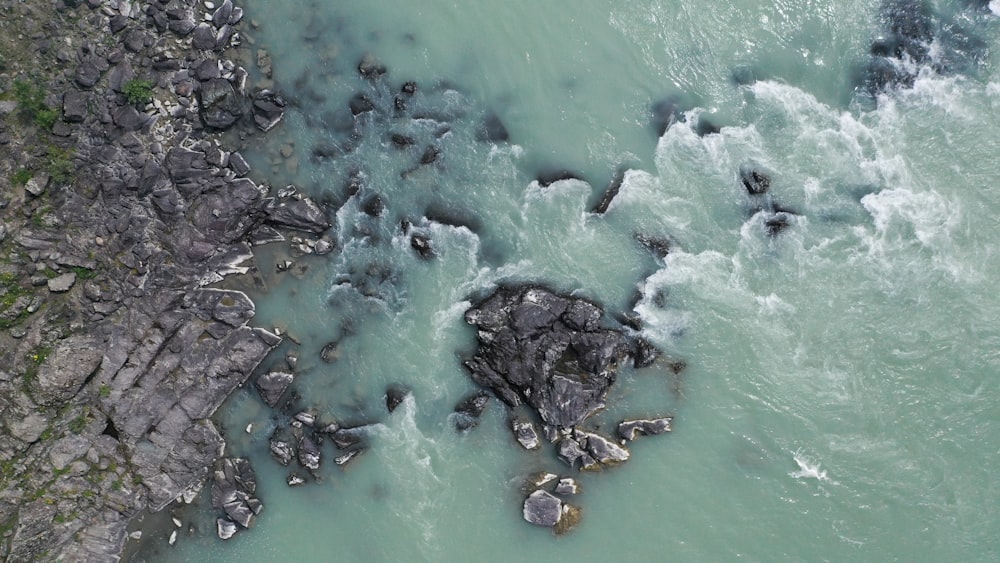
{"type": "Point", "coordinates": [299, 214]}
{"type": "Point", "coordinates": [219, 106]}
{"type": "Point", "coordinates": [547, 351]}
{"type": "Point", "coordinates": [272, 386]}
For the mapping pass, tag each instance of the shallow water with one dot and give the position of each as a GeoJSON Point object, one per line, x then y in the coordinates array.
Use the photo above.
{"type": "Point", "coordinates": [841, 392]}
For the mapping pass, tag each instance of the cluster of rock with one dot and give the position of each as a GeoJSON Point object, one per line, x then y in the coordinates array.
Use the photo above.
{"type": "Point", "coordinates": [113, 372]}
{"type": "Point", "coordinates": [301, 439]}
{"type": "Point", "coordinates": [554, 355]}
{"type": "Point", "coordinates": [546, 504]}
{"type": "Point", "coordinates": [914, 36]}
{"type": "Point", "coordinates": [233, 486]}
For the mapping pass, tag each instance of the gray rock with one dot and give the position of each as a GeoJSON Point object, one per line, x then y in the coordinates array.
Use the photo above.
{"type": "Point", "coordinates": [272, 386]}
{"type": "Point", "coordinates": [542, 508]}
{"type": "Point", "coordinates": [226, 528]}
{"type": "Point", "coordinates": [545, 350]}
{"type": "Point", "coordinates": [309, 453]}
{"type": "Point", "coordinates": [128, 118]}
{"type": "Point", "coordinates": [75, 106]}
{"type": "Point", "coordinates": [203, 37]}
{"type": "Point", "coordinates": [527, 436]}
{"type": "Point", "coordinates": [222, 14]}
{"type": "Point", "coordinates": [603, 451]}
{"type": "Point", "coordinates": [219, 106]}
{"type": "Point", "coordinates": [62, 283]}
{"type": "Point", "coordinates": [567, 486]}
{"type": "Point", "coordinates": [346, 458]}
{"type": "Point", "coordinates": [294, 480]}
{"type": "Point", "coordinates": [37, 184]}
{"type": "Point", "coordinates": [66, 369]}
{"type": "Point", "coordinates": [469, 409]}
{"type": "Point", "coordinates": [282, 451]}
{"type": "Point", "coordinates": [268, 109]}
{"type": "Point", "coordinates": [298, 214]}
{"type": "Point", "coordinates": [631, 429]}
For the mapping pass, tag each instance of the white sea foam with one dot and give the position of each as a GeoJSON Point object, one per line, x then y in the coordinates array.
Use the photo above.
{"type": "Point", "coordinates": [808, 469]}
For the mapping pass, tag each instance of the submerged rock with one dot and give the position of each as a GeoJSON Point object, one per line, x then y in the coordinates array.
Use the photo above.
{"type": "Point", "coordinates": [469, 409]}
{"type": "Point", "coordinates": [395, 394]}
{"type": "Point", "coordinates": [755, 181]}
{"type": "Point", "coordinates": [272, 386]}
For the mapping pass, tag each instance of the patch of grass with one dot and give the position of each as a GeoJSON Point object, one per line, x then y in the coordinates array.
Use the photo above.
{"type": "Point", "coordinates": [117, 484]}
{"type": "Point", "coordinates": [60, 165]}
{"type": "Point", "coordinates": [138, 92]}
{"type": "Point", "coordinates": [31, 101]}
{"type": "Point", "coordinates": [104, 390]}
{"type": "Point", "coordinates": [84, 273]}
{"type": "Point", "coordinates": [79, 423]}
{"type": "Point", "coordinates": [21, 177]}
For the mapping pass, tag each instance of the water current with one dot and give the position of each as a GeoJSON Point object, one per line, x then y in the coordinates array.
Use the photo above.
{"type": "Point", "coordinates": [841, 399]}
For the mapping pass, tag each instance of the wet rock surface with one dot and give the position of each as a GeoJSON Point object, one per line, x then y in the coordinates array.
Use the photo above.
{"type": "Point", "coordinates": [547, 351]}
{"type": "Point", "coordinates": [122, 350]}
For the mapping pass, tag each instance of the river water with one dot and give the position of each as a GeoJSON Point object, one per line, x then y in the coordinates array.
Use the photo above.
{"type": "Point", "coordinates": [842, 389]}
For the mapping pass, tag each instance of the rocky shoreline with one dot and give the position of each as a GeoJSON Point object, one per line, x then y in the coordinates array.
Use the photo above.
{"type": "Point", "coordinates": [121, 204]}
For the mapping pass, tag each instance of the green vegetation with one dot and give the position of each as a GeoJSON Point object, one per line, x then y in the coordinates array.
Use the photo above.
{"type": "Point", "coordinates": [84, 273]}
{"type": "Point", "coordinates": [78, 424]}
{"type": "Point", "coordinates": [104, 390]}
{"type": "Point", "coordinates": [10, 292]}
{"type": "Point", "coordinates": [60, 165]}
{"type": "Point", "coordinates": [31, 100]}
{"type": "Point", "coordinates": [138, 92]}
{"type": "Point", "coordinates": [21, 177]}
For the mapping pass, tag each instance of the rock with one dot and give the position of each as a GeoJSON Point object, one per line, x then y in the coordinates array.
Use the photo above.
{"type": "Point", "coordinates": [645, 354]}
{"type": "Point", "coordinates": [75, 106]}
{"type": "Point", "coordinates": [268, 109]}
{"type": "Point", "coordinates": [492, 130]}
{"type": "Point", "coordinates": [203, 37]}
{"type": "Point", "coordinates": [567, 486]}
{"type": "Point", "coordinates": [294, 479]}
{"type": "Point", "coordinates": [66, 369]}
{"type": "Point", "coordinates": [233, 486]}
{"type": "Point", "coordinates": [330, 352]}
{"type": "Point", "coordinates": [37, 184]}
{"type": "Point", "coordinates": [469, 409]}
{"type": "Point", "coordinates": [272, 386]}
{"type": "Point", "coordinates": [570, 451]}
{"type": "Point", "coordinates": [775, 223]}
{"type": "Point", "coordinates": [346, 458]}
{"type": "Point", "coordinates": [422, 244]}
{"type": "Point", "coordinates": [547, 351]}
{"type": "Point", "coordinates": [373, 206]}
{"type": "Point", "coordinates": [218, 104]}
{"type": "Point", "coordinates": [571, 516]}
{"type": "Point", "coordinates": [309, 453]}
{"type": "Point", "coordinates": [226, 528]}
{"type": "Point", "coordinates": [345, 438]}
{"type": "Point", "coordinates": [298, 214]}
{"type": "Point", "coordinates": [62, 283]}
{"type": "Point", "coordinates": [630, 429]}
{"type": "Point", "coordinates": [323, 246]}
{"type": "Point", "coordinates": [525, 433]}
{"type": "Point", "coordinates": [222, 14]}
{"type": "Point", "coordinates": [282, 450]}
{"type": "Point", "coordinates": [755, 181]}
{"type": "Point", "coordinates": [542, 508]}
{"type": "Point", "coordinates": [395, 394]}
{"type": "Point", "coordinates": [369, 67]}
{"type": "Point", "coordinates": [610, 193]}
{"type": "Point", "coordinates": [658, 246]}
{"type": "Point", "coordinates": [361, 103]}
{"type": "Point", "coordinates": [431, 154]}
{"type": "Point", "coordinates": [89, 72]}
{"type": "Point", "coordinates": [305, 418]}
{"type": "Point", "coordinates": [128, 118]}
{"type": "Point", "coordinates": [603, 451]}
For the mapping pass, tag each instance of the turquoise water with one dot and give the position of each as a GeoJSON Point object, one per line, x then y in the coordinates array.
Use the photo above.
{"type": "Point", "coordinates": [841, 397]}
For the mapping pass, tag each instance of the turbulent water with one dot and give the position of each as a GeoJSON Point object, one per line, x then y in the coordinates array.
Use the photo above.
{"type": "Point", "coordinates": [841, 395]}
